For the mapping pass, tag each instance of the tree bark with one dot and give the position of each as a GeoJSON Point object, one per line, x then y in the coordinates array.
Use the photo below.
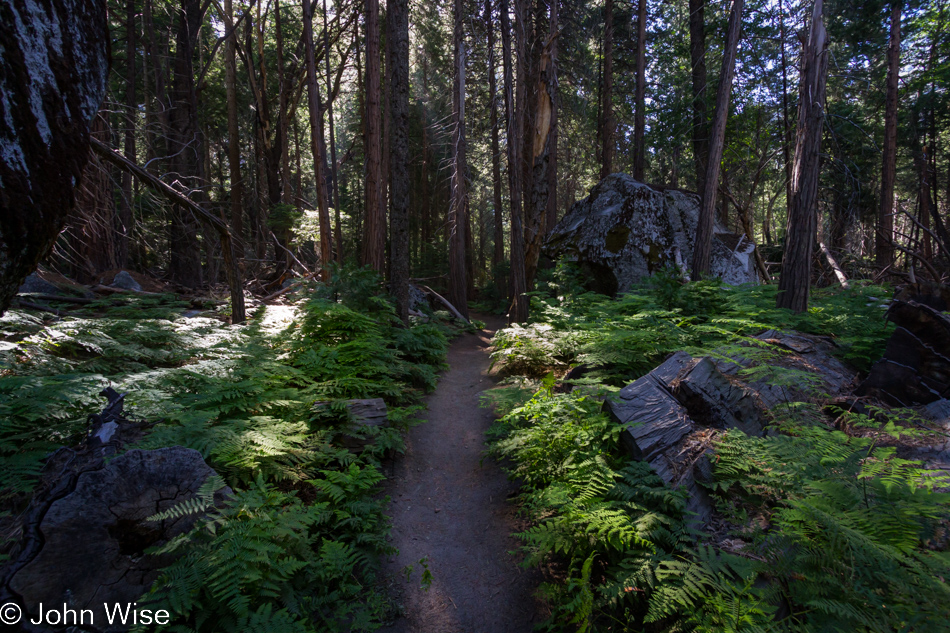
{"type": "Point", "coordinates": [795, 280]}
{"type": "Point", "coordinates": [458, 287]}
{"type": "Point", "coordinates": [334, 179]}
{"type": "Point", "coordinates": [639, 123]}
{"type": "Point", "coordinates": [884, 251]}
{"type": "Point", "coordinates": [498, 255]}
{"type": "Point", "coordinates": [697, 54]}
{"type": "Point", "coordinates": [397, 15]}
{"type": "Point", "coordinates": [550, 218]}
{"type": "Point", "coordinates": [607, 109]}
{"type": "Point", "coordinates": [234, 138]}
{"type": "Point", "coordinates": [518, 312]}
{"type": "Point", "coordinates": [124, 219]}
{"type": "Point", "coordinates": [704, 232]}
{"type": "Point", "coordinates": [185, 147]}
{"type": "Point", "coordinates": [316, 142]}
{"type": "Point", "coordinates": [374, 224]}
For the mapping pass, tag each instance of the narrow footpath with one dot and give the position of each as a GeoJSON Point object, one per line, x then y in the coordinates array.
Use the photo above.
{"type": "Point", "coordinates": [450, 505]}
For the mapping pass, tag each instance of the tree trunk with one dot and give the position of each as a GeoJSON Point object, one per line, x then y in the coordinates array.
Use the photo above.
{"type": "Point", "coordinates": [550, 218]}
{"type": "Point", "coordinates": [334, 179]}
{"type": "Point", "coordinates": [639, 124]}
{"type": "Point", "coordinates": [124, 219]}
{"type": "Point", "coordinates": [458, 287]}
{"type": "Point", "coordinates": [607, 108]}
{"type": "Point", "coordinates": [518, 312]}
{"type": "Point", "coordinates": [234, 137]}
{"type": "Point", "coordinates": [884, 251]}
{"type": "Point", "coordinates": [800, 235]}
{"type": "Point", "coordinates": [786, 128]}
{"type": "Point", "coordinates": [185, 150]}
{"type": "Point", "coordinates": [316, 142]}
{"type": "Point", "coordinates": [697, 54]}
{"type": "Point", "coordinates": [704, 232]}
{"type": "Point", "coordinates": [91, 221]}
{"type": "Point", "coordinates": [397, 15]}
{"type": "Point", "coordinates": [374, 224]}
{"type": "Point", "coordinates": [498, 255]}
{"type": "Point", "coordinates": [541, 152]}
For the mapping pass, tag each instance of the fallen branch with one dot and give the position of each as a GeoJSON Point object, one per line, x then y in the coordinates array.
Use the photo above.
{"type": "Point", "coordinates": [36, 306]}
{"type": "Point", "coordinates": [79, 300]}
{"type": "Point", "coordinates": [224, 232]}
{"type": "Point", "coordinates": [445, 302]}
{"type": "Point", "coordinates": [842, 278]}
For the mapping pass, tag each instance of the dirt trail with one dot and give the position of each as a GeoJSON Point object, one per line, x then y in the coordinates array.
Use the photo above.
{"type": "Point", "coordinates": [450, 505]}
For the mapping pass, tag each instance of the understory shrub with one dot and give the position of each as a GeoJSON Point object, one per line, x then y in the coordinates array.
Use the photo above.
{"type": "Point", "coordinates": [296, 546]}
{"type": "Point", "coordinates": [818, 529]}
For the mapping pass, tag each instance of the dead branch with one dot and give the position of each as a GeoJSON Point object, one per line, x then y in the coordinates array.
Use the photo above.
{"type": "Point", "coordinates": [842, 278]}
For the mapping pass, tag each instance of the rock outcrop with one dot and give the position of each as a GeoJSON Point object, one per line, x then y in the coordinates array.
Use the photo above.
{"type": "Point", "coordinates": [54, 62]}
{"type": "Point", "coordinates": [672, 415]}
{"type": "Point", "coordinates": [625, 231]}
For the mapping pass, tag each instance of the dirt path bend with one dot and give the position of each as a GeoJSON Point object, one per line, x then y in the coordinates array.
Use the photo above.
{"type": "Point", "coordinates": [450, 505]}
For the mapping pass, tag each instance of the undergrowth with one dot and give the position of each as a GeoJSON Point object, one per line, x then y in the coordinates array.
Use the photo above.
{"type": "Point", "coordinates": [295, 546]}
{"type": "Point", "coordinates": [820, 530]}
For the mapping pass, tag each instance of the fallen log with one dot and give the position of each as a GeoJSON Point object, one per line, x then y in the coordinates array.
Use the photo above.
{"type": "Point", "coordinates": [842, 278]}
{"type": "Point", "coordinates": [445, 302]}
{"type": "Point", "coordinates": [219, 225]}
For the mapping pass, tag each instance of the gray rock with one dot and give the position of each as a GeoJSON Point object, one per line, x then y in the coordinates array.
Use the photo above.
{"type": "Point", "coordinates": [939, 412]}
{"type": "Point", "coordinates": [418, 300]}
{"type": "Point", "coordinates": [125, 281]}
{"type": "Point", "coordinates": [625, 231]}
{"type": "Point", "coordinates": [93, 539]}
{"type": "Point", "coordinates": [34, 284]}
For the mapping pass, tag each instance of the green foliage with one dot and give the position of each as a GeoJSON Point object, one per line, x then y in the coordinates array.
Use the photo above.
{"type": "Point", "coordinates": [266, 410]}
{"type": "Point", "coordinates": [826, 530]}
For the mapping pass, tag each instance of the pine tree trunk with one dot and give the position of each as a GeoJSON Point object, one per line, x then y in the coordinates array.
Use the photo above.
{"type": "Point", "coordinates": [458, 286]}
{"type": "Point", "coordinates": [374, 224]}
{"type": "Point", "coordinates": [704, 232]}
{"type": "Point", "coordinates": [124, 219]}
{"type": "Point", "coordinates": [884, 250]}
{"type": "Point", "coordinates": [607, 108]}
{"type": "Point", "coordinates": [639, 124]}
{"type": "Point", "coordinates": [800, 237]}
{"type": "Point", "coordinates": [334, 178]}
{"type": "Point", "coordinates": [234, 138]}
{"type": "Point", "coordinates": [185, 148]}
{"type": "Point", "coordinates": [697, 55]}
{"type": "Point", "coordinates": [316, 142]}
{"type": "Point", "coordinates": [550, 218]}
{"type": "Point", "coordinates": [518, 313]}
{"type": "Point", "coordinates": [541, 152]}
{"type": "Point", "coordinates": [397, 37]}
{"type": "Point", "coordinates": [498, 255]}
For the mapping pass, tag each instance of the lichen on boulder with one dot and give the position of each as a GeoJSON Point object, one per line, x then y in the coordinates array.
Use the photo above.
{"type": "Point", "coordinates": [625, 231]}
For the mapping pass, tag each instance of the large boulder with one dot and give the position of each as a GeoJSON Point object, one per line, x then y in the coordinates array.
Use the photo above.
{"type": "Point", "coordinates": [54, 62]}
{"type": "Point", "coordinates": [625, 231]}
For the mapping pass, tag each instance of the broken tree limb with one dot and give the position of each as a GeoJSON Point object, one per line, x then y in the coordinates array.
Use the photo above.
{"type": "Point", "coordinates": [175, 197]}
{"type": "Point", "coordinates": [445, 302]}
{"type": "Point", "coordinates": [842, 278]}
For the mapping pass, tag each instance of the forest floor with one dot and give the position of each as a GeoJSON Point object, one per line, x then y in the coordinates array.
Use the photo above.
{"type": "Point", "coordinates": [450, 505]}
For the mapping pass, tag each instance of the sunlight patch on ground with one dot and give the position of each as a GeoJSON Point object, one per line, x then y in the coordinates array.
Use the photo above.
{"type": "Point", "coordinates": [278, 318]}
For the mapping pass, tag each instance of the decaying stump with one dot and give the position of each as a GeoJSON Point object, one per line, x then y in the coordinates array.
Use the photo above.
{"type": "Point", "coordinates": [915, 368]}
{"type": "Point", "coordinates": [672, 415]}
{"type": "Point", "coordinates": [367, 413]}
{"type": "Point", "coordinates": [86, 529]}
